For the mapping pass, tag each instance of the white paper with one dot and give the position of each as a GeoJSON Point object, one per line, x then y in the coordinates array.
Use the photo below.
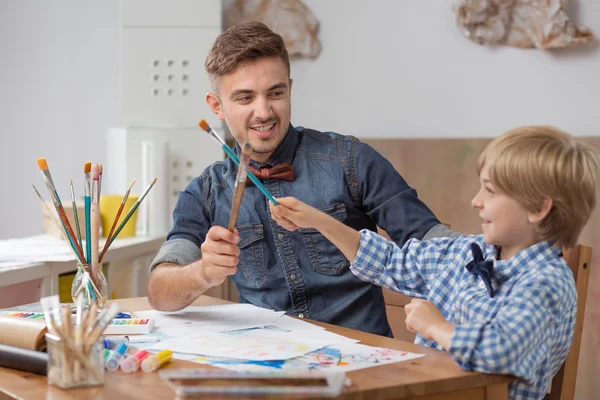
{"type": "Point", "coordinates": [345, 357]}
{"type": "Point", "coordinates": [290, 324]}
{"type": "Point", "coordinates": [256, 348]}
{"type": "Point", "coordinates": [214, 318]}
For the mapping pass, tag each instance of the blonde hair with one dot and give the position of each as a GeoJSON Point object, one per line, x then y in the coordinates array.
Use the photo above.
{"type": "Point", "coordinates": [532, 162]}
{"type": "Point", "coordinates": [241, 44]}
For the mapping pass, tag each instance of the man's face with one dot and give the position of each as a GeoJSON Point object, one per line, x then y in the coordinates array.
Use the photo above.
{"type": "Point", "coordinates": [255, 102]}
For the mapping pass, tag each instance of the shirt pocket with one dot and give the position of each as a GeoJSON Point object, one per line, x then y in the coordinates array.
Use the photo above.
{"type": "Point", "coordinates": [324, 256]}
{"type": "Point", "coordinates": [252, 258]}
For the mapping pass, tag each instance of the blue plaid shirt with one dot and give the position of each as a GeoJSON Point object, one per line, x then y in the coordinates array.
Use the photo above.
{"type": "Point", "coordinates": [525, 330]}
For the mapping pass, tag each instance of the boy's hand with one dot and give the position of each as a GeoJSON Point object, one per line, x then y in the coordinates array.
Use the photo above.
{"type": "Point", "coordinates": [292, 214]}
{"type": "Point", "coordinates": [423, 316]}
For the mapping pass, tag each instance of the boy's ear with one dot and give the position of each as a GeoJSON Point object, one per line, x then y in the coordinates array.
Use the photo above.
{"type": "Point", "coordinates": [214, 103]}
{"type": "Point", "coordinates": [540, 214]}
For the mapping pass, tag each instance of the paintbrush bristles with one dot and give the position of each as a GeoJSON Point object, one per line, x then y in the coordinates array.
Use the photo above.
{"type": "Point", "coordinates": [246, 149]}
{"type": "Point", "coordinates": [42, 164]}
{"type": "Point", "coordinates": [87, 167]}
{"type": "Point", "coordinates": [204, 125]}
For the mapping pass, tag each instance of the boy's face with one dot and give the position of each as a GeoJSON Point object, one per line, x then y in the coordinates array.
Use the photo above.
{"type": "Point", "coordinates": [506, 223]}
{"type": "Point", "coordinates": [255, 102]}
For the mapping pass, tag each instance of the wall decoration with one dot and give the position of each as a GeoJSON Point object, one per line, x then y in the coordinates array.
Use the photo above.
{"type": "Point", "coordinates": [290, 18]}
{"type": "Point", "coordinates": [543, 24]}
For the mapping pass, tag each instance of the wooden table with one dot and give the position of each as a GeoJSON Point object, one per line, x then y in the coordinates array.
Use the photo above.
{"type": "Point", "coordinates": [433, 377]}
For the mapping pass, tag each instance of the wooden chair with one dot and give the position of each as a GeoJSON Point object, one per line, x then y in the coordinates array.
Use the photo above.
{"type": "Point", "coordinates": [563, 384]}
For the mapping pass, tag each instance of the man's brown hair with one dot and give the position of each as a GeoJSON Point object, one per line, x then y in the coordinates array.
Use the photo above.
{"type": "Point", "coordinates": [241, 44]}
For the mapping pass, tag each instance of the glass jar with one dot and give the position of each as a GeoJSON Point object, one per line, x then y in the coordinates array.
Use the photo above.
{"type": "Point", "coordinates": [66, 369]}
{"type": "Point", "coordinates": [95, 290]}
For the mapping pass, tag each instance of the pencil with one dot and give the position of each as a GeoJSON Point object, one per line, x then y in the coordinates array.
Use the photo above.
{"type": "Point", "coordinates": [240, 184]}
{"type": "Point", "coordinates": [114, 224]}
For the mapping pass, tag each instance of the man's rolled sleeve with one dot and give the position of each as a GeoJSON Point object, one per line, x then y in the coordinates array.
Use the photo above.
{"type": "Point", "coordinates": [176, 251]}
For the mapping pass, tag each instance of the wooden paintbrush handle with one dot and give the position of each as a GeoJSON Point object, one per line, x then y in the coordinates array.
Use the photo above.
{"type": "Point", "coordinates": [235, 204]}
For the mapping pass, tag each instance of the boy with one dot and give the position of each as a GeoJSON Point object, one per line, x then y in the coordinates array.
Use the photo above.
{"type": "Point", "coordinates": [503, 302]}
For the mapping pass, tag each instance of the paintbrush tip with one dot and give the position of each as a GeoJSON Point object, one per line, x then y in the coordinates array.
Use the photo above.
{"type": "Point", "coordinates": [204, 125]}
{"type": "Point", "coordinates": [95, 172]}
{"type": "Point", "coordinates": [101, 169]}
{"type": "Point", "coordinates": [246, 149]}
{"type": "Point", "coordinates": [87, 167]}
{"type": "Point", "coordinates": [42, 164]}
{"type": "Point", "coordinates": [154, 181]}
{"type": "Point", "coordinates": [131, 184]}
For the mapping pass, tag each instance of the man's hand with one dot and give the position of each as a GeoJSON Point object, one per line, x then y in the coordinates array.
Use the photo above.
{"type": "Point", "coordinates": [220, 255]}
{"type": "Point", "coordinates": [291, 214]}
{"type": "Point", "coordinates": [423, 317]}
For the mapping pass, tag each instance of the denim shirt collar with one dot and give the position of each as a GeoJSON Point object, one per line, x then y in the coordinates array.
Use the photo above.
{"type": "Point", "coordinates": [284, 153]}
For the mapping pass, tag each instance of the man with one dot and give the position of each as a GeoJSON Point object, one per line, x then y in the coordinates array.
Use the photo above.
{"type": "Point", "coordinates": [300, 272]}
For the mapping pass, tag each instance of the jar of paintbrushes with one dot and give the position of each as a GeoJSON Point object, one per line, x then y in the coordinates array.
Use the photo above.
{"type": "Point", "coordinates": [75, 343]}
{"type": "Point", "coordinates": [89, 280]}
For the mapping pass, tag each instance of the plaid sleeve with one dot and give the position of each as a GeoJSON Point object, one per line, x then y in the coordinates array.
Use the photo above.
{"type": "Point", "coordinates": [516, 341]}
{"type": "Point", "coordinates": [410, 269]}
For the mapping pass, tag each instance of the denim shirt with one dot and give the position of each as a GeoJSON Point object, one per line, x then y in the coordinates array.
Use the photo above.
{"type": "Point", "coordinates": [302, 272]}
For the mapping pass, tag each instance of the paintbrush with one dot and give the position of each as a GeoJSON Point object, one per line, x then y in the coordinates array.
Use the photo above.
{"type": "Point", "coordinates": [240, 184]}
{"type": "Point", "coordinates": [87, 168]}
{"type": "Point", "coordinates": [130, 212]}
{"type": "Point", "coordinates": [114, 224]}
{"type": "Point", "coordinates": [95, 219]}
{"type": "Point", "coordinates": [60, 227]}
{"type": "Point", "coordinates": [204, 125]}
{"type": "Point", "coordinates": [58, 205]}
{"type": "Point", "coordinates": [75, 214]}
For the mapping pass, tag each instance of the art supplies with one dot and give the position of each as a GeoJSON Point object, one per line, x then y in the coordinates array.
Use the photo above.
{"type": "Point", "coordinates": [76, 355]}
{"type": "Point", "coordinates": [240, 184]}
{"type": "Point", "coordinates": [155, 361]}
{"type": "Point", "coordinates": [24, 360]}
{"type": "Point", "coordinates": [132, 363]}
{"type": "Point", "coordinates": [130, 326]}
{"type": "Point", "coordinates": [194, 382]}
{"type": "Point", "coordinates": [204, 125]}
{"type": "Point", "coordinates": [112, 362]}
{"type": "Point", "coordinates": [116, 220]}
{"type": "Point", "coordinates": [23, 332]}
{"type": "Point", "coordinates": [89, 278]}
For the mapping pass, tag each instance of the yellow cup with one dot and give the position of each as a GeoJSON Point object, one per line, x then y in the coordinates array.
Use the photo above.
{"type": "Point", "coordinates": [109, 205]}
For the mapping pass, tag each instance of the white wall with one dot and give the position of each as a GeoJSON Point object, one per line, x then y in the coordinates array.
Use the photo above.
{"type": "Point", "coordinates": [389, 68]}
{"type": "Point", "coordinates": [59, 92]}
{"type": "Point", "coordinates": [401, 68]}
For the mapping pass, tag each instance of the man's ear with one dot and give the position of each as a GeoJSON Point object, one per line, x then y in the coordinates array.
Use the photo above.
{"type": "Point", "coordinates": [540, 214]}
{"type": "Point", "coordinates": [214, 103]}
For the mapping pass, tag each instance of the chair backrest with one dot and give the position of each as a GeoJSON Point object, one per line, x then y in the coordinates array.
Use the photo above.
{"type": "Point", "coordinates": [563, 384]}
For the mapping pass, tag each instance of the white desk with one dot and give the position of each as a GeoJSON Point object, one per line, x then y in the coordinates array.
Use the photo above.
{"type": "Point", "coordinates": [45, 257]}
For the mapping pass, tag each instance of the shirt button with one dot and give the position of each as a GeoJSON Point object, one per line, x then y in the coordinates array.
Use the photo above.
{"type": "Point", "coordinates": [280, 236]}
{"type": "Point", "coordinates": [293, 277]}
{"type": "Point", "coordinates": [300, 315]}
{"type": "Point", "coordinates": [482, 285]}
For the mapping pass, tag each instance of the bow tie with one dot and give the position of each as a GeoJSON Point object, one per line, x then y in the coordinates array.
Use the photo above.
{"type": "Point", "coordinates": [283, 171]}
{"type": "Point", "coordinates": [479, 266]}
